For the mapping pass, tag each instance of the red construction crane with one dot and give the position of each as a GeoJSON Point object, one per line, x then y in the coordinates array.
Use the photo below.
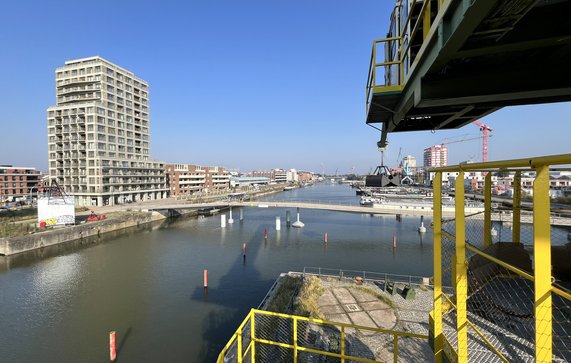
{"type": "Point", "coordinates": [484, 128]}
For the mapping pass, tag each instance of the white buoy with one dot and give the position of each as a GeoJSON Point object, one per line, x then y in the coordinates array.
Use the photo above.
{"type": "Point", "coordinates": [494, 232]}
{"type": "Point", "coordinates": [422, 228]}
{"type": "Point", "coordinates": [298, 223]}
{"type": "Point", "coordinates": [230, 219]}
{"type": "Point", "coordinates": [223, 220]}
{"type": "Point", "coordinates": [278, 223]}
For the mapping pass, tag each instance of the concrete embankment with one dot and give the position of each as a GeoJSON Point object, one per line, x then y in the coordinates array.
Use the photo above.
{"type": "Point", "coordinates": [120, 221]}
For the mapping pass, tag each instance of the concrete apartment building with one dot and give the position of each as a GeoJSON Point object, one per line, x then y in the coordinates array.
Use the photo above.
{"type": "Point", "coordinates": [99, 135]}
{"type": "Point", "coordinates": [435, 156]}
{"type": "Point", "coordinates": [186, 179]}
{"type": "Point", "coordinates": [17, 182]}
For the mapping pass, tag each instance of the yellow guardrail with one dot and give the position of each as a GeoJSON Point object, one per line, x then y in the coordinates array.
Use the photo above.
{"type": "Point", "coordinates": [540, 276]}
{"type": "Point", "coordinates": [235, 351]}
{"type": "Point", "coordinates": [400, 46]}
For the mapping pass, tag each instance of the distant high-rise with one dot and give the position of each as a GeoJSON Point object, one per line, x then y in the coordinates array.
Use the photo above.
{"type": "Point", "coordinates": [409, 161]}
{"type": "Point", "coordinates": [435, 156]}
{"type": "Point", "coordinates": [99, 135]}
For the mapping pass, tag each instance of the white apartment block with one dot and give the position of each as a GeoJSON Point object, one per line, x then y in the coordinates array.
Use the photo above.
{"type": "Point", "coordinates": [99, 135]}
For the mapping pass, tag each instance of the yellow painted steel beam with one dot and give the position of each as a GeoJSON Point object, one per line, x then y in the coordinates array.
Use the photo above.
{"type": "Point", "coordinates": [396, 349]}
{"type": "Point", "coordinates": [461, 271]}
{"type": "Point", "coordinates": [487, 341]}
{"type": "Point", "coordinates": [542, 266]}
{"type": "Point", "coordinates": [562, 159]}
{"type": "Point", "coordinates": [488, 210]}
{"type": "Point", "coordinates": [516, 222]}
{"type": "Point", "coordinates": [426, 21]}
{"type": "Point", "coordinates": [437, 231]}
{"type": "Point", "coordinates": [239, 347]}
{"type": "Point", "coordinates": [252, 333]}
{"type": "Point", "coordinates": [342, 343]}
{"type": "Point", "coordinates": [294, 340]}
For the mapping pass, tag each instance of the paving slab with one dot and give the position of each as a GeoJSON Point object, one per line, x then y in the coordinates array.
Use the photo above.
{"type": "Point", "coordinates": [344, 296]}
{"type": "Point", "coordinates": [385, 318]}
{"type": "Point", "coordinates": [362, 296]}
{"type": "Point", "coordinates": [351, 308]}
{"type": "Point", "coordinates": [332, 309]}
{"type": "Point", "coordinates": [362, 318]}
{"type": "Point", "coordinates": [327, 298]}
{"type": "Point", "coordinates": [374, 305]}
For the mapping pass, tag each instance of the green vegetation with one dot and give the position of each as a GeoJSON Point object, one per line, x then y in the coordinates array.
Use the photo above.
{"type": "Point", "coordinates": [282, 299]}
{"type": "Point", "coordinates": [12, 229]}
{"type": "Point", "coordinates": [307, 302]}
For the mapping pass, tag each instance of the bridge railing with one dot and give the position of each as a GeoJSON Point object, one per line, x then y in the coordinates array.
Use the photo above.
{"type": "Point", "coordinates": [509, 299]}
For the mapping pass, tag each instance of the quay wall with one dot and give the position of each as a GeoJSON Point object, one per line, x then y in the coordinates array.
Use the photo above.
{"type": "Point", "coordinates": [14, 245]}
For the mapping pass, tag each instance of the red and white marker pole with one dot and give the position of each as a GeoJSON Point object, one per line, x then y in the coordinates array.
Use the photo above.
{"type": "Point", "coordinates": [244, 249]}
{"type": "Point", "coordinates": [265, 233]}
{"type": "Point", "coordinates": [112, 347]}
{"type": "Point", "coordinates": [325, 237]}
{"type": "Point", "coordinates": [394, 241]}
{"type": "Point", "coordinates": [205, 278]}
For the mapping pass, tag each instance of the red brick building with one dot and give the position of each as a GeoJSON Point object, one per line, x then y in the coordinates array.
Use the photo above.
{"type": "Point", "coordinates": [17, 182]}
{"type": "Point", "coordinates": [188, 179]}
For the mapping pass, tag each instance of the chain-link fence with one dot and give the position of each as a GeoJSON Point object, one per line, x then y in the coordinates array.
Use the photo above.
{"type": "Point", "coordinates": [286, 338]}
{"type": "Point", "coordinates": [504, 305]}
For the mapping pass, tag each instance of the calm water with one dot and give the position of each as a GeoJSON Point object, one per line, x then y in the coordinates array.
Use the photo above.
{"type": "Point", "coordinates": [58, 305]}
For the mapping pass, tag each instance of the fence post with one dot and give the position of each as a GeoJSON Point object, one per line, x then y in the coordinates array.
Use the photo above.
{"type": "Point", "coordinates": [461, 271]}
{"type": "Point", "coordinates": [488, 210]}
{"type": "Point", "coordinates": [239, 346]}
{"type": "Point", "coordinates": [516, 211]}
{"type": "Point", "coordinates": [253, 334]}
{"type": "Point", "coordinates": [294, 339]}
{"type": "Point", "coordinates": [437, 220]}
{"type": "Point", "coordinates": [396, 348]}
{"type": "Point", "coordinates": [342, 344]}
{"type": "Point", "coordinates": [542, 257]}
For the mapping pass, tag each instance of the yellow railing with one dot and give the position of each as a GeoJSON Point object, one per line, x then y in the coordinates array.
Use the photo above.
{"type": "Point", "coordinates": [262, 330]}
{"type": "Point", "coordinates": [546, 327]}
{"type": "Point", "coordinates": [396, 62]}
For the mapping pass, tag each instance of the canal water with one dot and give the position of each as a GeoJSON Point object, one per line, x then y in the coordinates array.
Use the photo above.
{"type": "Point", "coordinates": [58, 305]}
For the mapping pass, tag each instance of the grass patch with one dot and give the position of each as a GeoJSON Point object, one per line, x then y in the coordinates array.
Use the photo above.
{"type": "Point", "coordinates": [283, 297]}
{"type": "Point", "coordinates": [307, 302]}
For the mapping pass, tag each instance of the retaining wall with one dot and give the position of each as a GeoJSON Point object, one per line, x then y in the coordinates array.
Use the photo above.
{"type": "Point", "coordinates": [13, 245]}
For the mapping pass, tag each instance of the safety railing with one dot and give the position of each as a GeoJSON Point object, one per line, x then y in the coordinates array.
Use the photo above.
{"type": "Point", "coordinates": [366, 275]}
{"type": "Point", "coordinates": [266, 336]}
{"type": "Point", "coordinates": [509, 299]}
{"type": "Point", "coordinates": [397, 58]}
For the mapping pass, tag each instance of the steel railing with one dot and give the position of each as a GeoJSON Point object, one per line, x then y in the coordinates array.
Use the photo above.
{"type": "Point", "coordinates": [287, 334]}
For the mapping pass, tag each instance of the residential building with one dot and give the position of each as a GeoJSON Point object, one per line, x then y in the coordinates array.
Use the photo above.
{"type": "Point", "coordinates": [99, 135]}
{"type": "Point", "coordinates": [435, 156]}
{"type": "Point", "coordinates": [188, 179]}
{"type": "Point", "coordinates": [18, 182]}
{"type": "Point", "coordinates": [274, 175]}
{"type": "Point", "coordinates": [291, 176]}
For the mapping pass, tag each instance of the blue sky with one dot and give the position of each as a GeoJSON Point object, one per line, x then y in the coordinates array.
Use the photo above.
{"type": "Point", "coordinates": [242, 84]}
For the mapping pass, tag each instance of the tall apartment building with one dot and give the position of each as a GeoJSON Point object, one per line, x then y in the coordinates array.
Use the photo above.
{"type": "Point", "coordinates": [435, 156]}
{"type": "Point", "coordinates": [188, 179]}
{"type": "Point", "coordinates": [17, 182]}
{"type": "Point", "coordinates": [99, 135]}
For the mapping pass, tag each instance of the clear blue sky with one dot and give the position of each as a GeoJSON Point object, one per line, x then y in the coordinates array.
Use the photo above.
{"type": "Point", "coordinates": [242, 84]}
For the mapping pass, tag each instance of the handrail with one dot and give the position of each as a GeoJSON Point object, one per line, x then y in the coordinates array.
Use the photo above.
{"type": "Point", "coordinates": [254, 340]}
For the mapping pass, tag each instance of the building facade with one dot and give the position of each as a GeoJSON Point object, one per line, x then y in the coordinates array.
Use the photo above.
{"type": "Point", "coordinates": [436, 156]}
{"type": "Point", "coordinates": [17, 182]}
{"type": "Point", "coordinates": [99, 135]}
{"type": "Point", "coordinates": [186, 179]}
